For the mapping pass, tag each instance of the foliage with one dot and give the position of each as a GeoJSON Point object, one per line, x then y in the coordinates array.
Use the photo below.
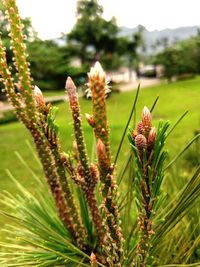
{"type": "Point", "coordinates": [8, 116]}
{"type": "Point", "coordinates": [94, 38]}
{"type": "Point", "coordinates": [49, 64]}
{"type": "Point", "coordinates": [85, 221]}
{"type": "Point", "coordinates": [181, 58]}
{"type": "Point", "coordinates": [92, 35]}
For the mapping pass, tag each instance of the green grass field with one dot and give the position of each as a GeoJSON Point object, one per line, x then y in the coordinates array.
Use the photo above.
{"type": "Point", "coordinates": [174, 100]}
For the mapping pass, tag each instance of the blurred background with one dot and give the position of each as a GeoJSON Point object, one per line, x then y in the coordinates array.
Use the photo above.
{"type": "Point", "coordinates": [132, 39]}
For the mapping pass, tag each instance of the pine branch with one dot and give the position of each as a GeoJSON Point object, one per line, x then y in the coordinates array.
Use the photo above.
{"type": "Point", "coordinates": [51, 133]}
{"type": "Point", "coordinates": [98, 89]}
{"type": "Point", "coordinates": [89, 180]}
{"type": "Point", "coordinates": [147, 145]}
{"type": "Point", "coordinates": [20, 56]}
{"type": "Point", "coordinates": [29, 106]}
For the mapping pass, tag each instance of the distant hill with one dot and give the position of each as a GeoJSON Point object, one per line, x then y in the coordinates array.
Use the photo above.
{"type": "Point", "coordinates": [157, 40]}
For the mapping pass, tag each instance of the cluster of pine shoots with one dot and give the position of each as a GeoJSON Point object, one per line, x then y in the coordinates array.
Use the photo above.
{"type": "Point", "coordinates": [94, 181]}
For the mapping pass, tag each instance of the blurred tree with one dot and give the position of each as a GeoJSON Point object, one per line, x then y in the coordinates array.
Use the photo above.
{"type": "Point", "coordinates": [181, 59]}
{"type": "Point", "coordinates": [92, 36]}
{"type": "Point", "coordinates": [198, 50]}
{"type": "Point", "coordinates": [48, 64]}
{"type": "Point", "coordinates": [169, 59]}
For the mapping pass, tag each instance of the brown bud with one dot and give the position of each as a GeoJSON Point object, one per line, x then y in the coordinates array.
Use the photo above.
{"type": "Point", "coordinates": [94, 173]}
{"type": "Point", "coordinates": [152, 137]}
{"type": "Point", "coordinates": [80, 170]}
{"type": "Point", "coordinates": [101, 149]}
{"type": "Point", "coordinates": [11, 10]}
{"type": "Point", "coordinates": [64, 157]}
{"type": "Point", "coordinates": [39, 98]}
{"type": "Point", "coordinates": [97, 73]}
{"type": "Point", "coordinates": [140, 142]}
{"type": "Point", "coordinates": [71, 89]}
{"type": "Point", "coordinates": [69, 84]}
{"type": "Point", "coordinates": [102, 156]}
{"type": "Point", "coordinates": [90, 119]}
{"type": "Point", "coordinates": [48, 107]}
{"type": "Point", "coordinates": [140, 128]}
{"type": "Point", "coordinates": [146, 116]}
{"type": "Point", "coordinates": [93, 260]}
{"type": "Point", "coordinates": [19, 86]}
{"type": "Point", "coordinates": [146, 121]}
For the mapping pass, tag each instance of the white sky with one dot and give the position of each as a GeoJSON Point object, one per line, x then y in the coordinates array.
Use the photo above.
{"type": "Point", "coordinates": [50, 17]}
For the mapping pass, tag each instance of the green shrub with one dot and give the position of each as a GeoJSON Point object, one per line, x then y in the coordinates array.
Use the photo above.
{"type": "Point", "coordinates": [7, 116]}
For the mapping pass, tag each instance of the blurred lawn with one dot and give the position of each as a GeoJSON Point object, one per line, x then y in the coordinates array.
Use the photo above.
{"type": "Point", "coordinates": [53, 93]}
{"type": "Point", "coordinates": [174, 99]}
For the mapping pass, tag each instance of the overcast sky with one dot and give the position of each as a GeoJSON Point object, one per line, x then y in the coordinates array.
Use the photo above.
{"type": "Point", "coordinates": [50, 18]}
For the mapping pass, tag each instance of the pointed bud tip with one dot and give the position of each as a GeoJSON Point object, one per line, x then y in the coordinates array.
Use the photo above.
{"type": "Point", "coordinates": [146, 120]}
{"type": "Point", "coordinates": [39, 98]}
{"type": "Point", "coordinates": [90, 119]}
{"type": "Point", "coordinates": [97, 72]}
{"type": "Point", "coordinates": [69, 78]}
{"type": "Point", "coordinates": [152, 136]}
{"type": "Point", "coordinates": [100, 148]}
{"type": "Point", "coordinates": [37, 90]}
{"type": "Point", "coordinates": [93, 260]}
{"type": "Point", "coordinates": [145, 110]}
{"type": "Point", "coordinates": [69, 83]}
{"type": "Point", "coordinates": [98, 66]}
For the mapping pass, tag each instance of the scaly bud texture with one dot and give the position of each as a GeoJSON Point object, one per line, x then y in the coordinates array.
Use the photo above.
{"type": "Point", "coordinates": [84, 170]}
{"type": "Point", "coordinates": [98, 88]}
{"type": "Point", "coordinates": [141, 142]}
{"type": "Point", "coordinates": [97, 85]}
{"type": "Point", "coordinates": [145, 142]}
{"type": "Point", "coordinates": [146, 121]}
{"type": "Point", "coordinates": [39, 98]}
